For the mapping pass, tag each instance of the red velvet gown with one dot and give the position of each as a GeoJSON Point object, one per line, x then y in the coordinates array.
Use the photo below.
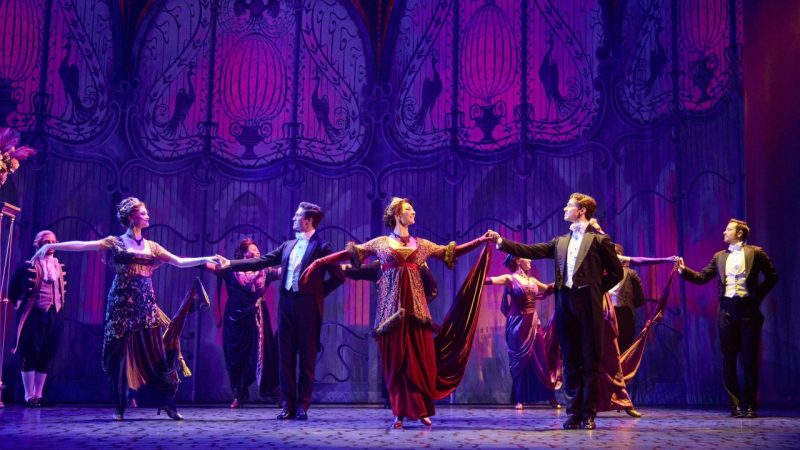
{"type": "Point", "coordinates": [417, 368]}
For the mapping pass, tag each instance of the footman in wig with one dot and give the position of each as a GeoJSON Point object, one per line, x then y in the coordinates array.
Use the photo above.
{"type": "Point", "coordinates": [38, 291]}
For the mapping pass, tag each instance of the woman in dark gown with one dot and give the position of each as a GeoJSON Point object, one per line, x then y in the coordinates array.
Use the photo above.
{"type": "Point", "coordinates": [133, 348]}
{"type": "Point", "coordinates": [532, 349]}
{"type": "Point", "coordinates": [248, 342]}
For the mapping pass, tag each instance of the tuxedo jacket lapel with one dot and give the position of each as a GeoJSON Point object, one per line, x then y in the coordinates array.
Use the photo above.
{"type": "Point", "coordinates": [563, 244]}
{"type": "Point", "coordinates": [722, 260]}
{"type": "Point", "coordinates": [749, 255]}
{"type": "Point", "coordinates": [287, 251]}
{"type": "Point", "coordinates": [312, 245]}
{"type": "Point", "coordinates": [586, 243]}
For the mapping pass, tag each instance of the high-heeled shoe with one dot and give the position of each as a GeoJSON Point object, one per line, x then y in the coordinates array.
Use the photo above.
{"type": "Point", "coordinates": [397, 424]}
{"type": "Point", "coordinates": [633, 413]}
{"type": "Point", "coordinates": [171, 411]}
{"type": "Point", "coordinates": [119, 415]}
{"type": "Point", "coordinates": [426, 421]}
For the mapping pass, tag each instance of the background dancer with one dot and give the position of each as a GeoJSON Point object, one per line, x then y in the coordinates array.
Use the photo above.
{"type": "Point", "coordinates": [38, 290]}
{"type": "Point", "coordinates": [532, 348]}
{"type": "Point", "coordinates": [248, 343]}
{"type": "Point", "coordinates": [738, 270]}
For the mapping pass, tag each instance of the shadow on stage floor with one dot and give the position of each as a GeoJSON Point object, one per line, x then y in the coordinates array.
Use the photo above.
{"type": "Point", "coordinates": [367, 426]}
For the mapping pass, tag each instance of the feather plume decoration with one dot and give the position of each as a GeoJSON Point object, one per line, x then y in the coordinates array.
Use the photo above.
{"type": "Point", "coordinates": [10, 153]}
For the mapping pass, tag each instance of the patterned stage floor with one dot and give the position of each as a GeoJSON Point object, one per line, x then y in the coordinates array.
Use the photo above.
{"type": "Point", "coordinates": [335, 426]}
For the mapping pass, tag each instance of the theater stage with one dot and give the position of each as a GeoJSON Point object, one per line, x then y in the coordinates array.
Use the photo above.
{"type": "Point", "coordinates": [367, 426]}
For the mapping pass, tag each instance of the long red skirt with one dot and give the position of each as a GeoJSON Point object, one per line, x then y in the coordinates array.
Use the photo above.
{"type": "Point", "coordinates": [409, 368]}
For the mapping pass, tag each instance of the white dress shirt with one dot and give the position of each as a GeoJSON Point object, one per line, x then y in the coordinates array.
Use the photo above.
{"type": "Point", "coordinates": [295, 258]}
{"type": "Point", "coordinates": [735, 272]}
{"type": "Point", "coordinates": [578, 232]}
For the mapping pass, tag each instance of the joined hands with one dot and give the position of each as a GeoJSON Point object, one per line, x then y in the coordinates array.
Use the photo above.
{"type": "Point", "coordinates": [221, 261]}
{"type": "Point", "coordinates": [491, 235]}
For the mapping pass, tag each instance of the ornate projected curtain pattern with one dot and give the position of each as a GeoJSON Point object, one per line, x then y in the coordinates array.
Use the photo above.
{"type": "Point", "coordinates": [223, 114]}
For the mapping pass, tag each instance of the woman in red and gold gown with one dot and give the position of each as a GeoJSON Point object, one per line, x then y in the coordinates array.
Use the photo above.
{"type": "Point", "coordinates": [418, 369]}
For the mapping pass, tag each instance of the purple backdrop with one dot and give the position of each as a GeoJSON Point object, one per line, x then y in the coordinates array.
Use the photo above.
{"type": "Point", "coordinates": [485, 113]}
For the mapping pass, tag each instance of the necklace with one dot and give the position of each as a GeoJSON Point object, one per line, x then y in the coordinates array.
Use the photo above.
{"type": "Point", "coordinates": [524, 276]}
{"type": "Point", "coordinates": [138, 241]}
{"type": "Point", "coordinates": [405, 240]}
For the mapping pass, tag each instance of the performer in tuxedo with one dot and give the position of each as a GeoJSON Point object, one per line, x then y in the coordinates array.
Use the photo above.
{"type": "Point", "coordinates": [586, 266]}
{"type": "Point", "coordinates": [299, 310]}
{"type": "Point", "coordinates": [738, 270]}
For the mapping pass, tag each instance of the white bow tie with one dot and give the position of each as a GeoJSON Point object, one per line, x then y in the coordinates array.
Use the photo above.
{"type": "Point", "coordinates": [734, 247]}
{"type": "Point", "coordinates": [300, 236]}
{"type": "Point", "coordinates": [576, 227]}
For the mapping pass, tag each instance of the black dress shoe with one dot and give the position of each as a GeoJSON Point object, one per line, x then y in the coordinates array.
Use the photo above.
{"type": "Point", "coordinates": [588, 424]}
{"type": "Point", "coordinates": [285, 414]}
{"type": "Point", "coordinates": [572, 423]}
{"type": "Point", "coordinates": [171, 411]}
{"type": "Point", "coordinates": [751, 413]}
{"type": "Point", "coordinates": [736, 412]}
{"type": "Point", "coordinates": [301, 414]}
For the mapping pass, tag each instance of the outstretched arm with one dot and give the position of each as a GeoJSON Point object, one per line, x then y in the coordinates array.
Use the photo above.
{"type": "Point", "coordinates": [502, 279]}
{"type": "Point", "coordinates": [545, 289]}
{"type": "Point", "coordinates": [270, 259]}
{"type": "Point", "coordinates": [645, 261]}
{"type": "Point", "coordinates": [164, 255]}
{"type": "Point", "coordinates": [471, 245]}
{"type": "Point", "coordinates": [320, 263]}
{"type": "Point", "coordinates": [708, 273]}
{"type": "Point", "coordinates": [536, 251]}
{"type": "Point", "coordinates": [71, 246]}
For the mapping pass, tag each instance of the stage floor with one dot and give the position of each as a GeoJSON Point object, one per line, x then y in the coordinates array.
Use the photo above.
{"type": "Point", "coordinates": [367, 426]}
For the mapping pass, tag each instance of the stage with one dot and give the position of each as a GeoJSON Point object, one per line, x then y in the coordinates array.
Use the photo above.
{"type": "Point", "coordinates": [367, 426]}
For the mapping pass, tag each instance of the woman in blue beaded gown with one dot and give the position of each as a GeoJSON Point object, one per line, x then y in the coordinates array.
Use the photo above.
{"type": "Point", "coordinates": [133, 350]}
{"type": "Point", "coordinates": [532, 348]}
